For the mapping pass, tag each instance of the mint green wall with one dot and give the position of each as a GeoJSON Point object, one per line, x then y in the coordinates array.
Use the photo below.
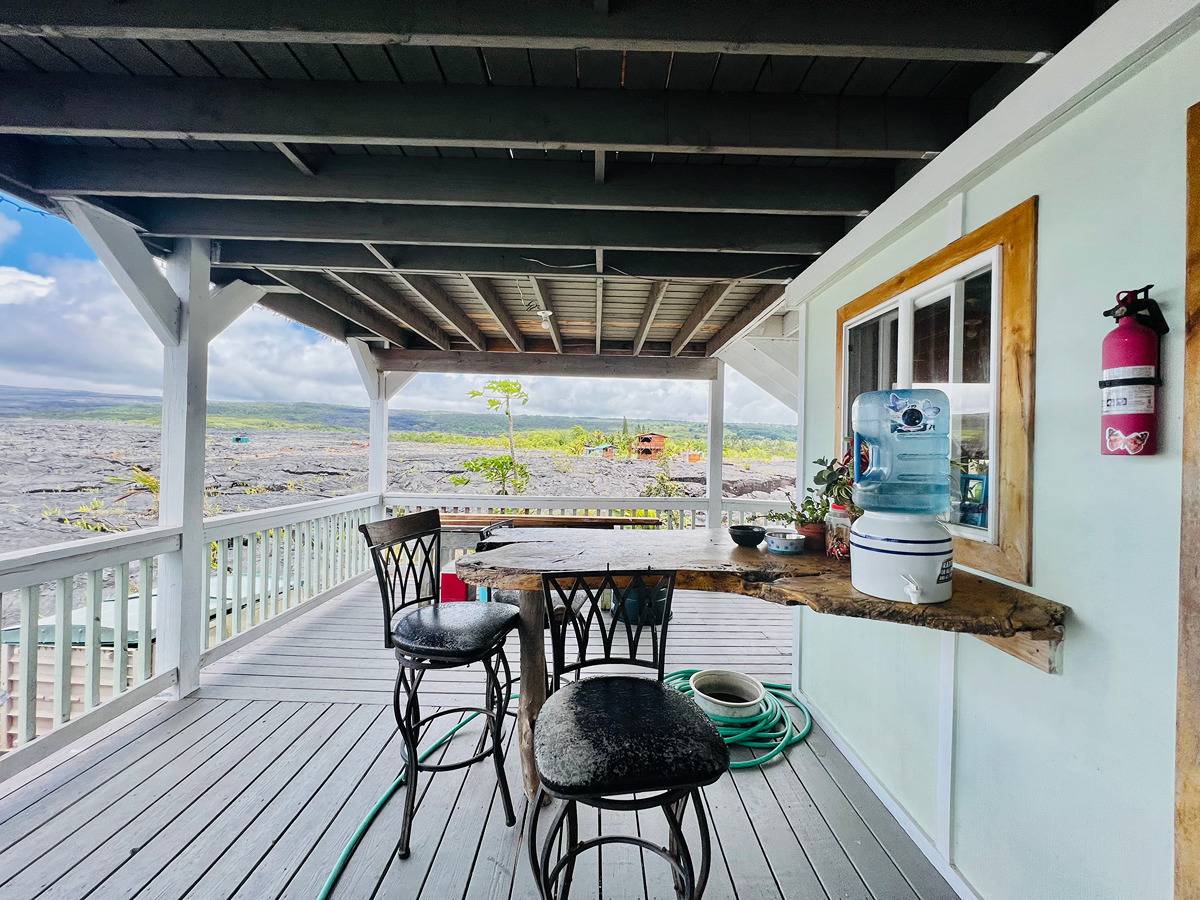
{"type": "Point", "coordinates": [1063, 784]}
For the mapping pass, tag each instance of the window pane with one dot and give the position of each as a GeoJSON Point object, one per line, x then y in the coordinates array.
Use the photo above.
{"type": "Point", "coordinates": [931, 343]}
{"type": "Point", "coordinates": [870, 365]}
{"type": "Point", "coordinates": [971, 403]}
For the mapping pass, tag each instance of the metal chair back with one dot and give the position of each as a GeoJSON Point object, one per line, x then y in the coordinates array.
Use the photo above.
{"type": "Point", "coordinates": [406, 551]}
{"type": "Point", "coordinates": [640, 607]}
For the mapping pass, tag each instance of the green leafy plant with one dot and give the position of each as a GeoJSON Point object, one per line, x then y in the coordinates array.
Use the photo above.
{"type": "Point", "coordinates": [835, 482]}
{"type": "Point", "coordinates": [503, 473]}
{"type": "Point", "coordinates": [811, 511]}
{"type": "Point", "coordinates": [500, 394]}
{"type": "Point", "coordinates": [663, 486]}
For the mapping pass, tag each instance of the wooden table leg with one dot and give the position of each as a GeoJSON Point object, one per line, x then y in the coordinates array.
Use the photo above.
{"type": "Point", "coordinates": [533, 682]}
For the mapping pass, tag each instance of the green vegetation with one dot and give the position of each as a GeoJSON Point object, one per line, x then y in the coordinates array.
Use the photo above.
{"type": "Point", "coordinates": [567, 434]}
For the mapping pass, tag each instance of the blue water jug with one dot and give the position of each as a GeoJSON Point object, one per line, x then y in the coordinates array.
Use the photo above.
{"type": "Point", "coordinates": [902, 451]}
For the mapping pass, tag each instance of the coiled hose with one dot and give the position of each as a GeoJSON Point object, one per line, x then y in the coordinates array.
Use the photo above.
{"type": "Point", "coordinates": [771, 730]}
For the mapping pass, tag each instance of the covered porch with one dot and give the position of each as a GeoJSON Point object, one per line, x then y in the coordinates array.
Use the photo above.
{"type": "Point", "coordinates": [828, 200]}
{"type": "Point", "coordinates": [251, 786]}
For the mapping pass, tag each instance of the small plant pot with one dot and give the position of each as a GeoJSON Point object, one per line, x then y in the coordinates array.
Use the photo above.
{"type": "Point", "coordinates": [814, 536]}
{"type": "Point", "coordinates": [640, 610]}
{"type": "Point", "coordinates": [723, 692]}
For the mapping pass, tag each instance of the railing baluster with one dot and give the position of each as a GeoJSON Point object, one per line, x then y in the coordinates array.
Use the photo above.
{"type": "Point", "coordinates": [145, 622]}
{"type": "Point", "coordinates": [91, 638]}
{"type": "Point", "coordinates": [27, 665]}
{"type": "Point", "coordinates": [287, 567]}
{"type": "Point", "coordinates": [63, 598]}
{"type": "Point", "coordinates": [120, 630]}
{"type": "Point", "coordinates": [222, 589]}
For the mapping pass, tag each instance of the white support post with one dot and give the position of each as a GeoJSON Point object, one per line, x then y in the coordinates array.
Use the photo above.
{"type": "Point", "coordinates": [180, 613]}
{"type": "Point", "coordinates": [801, 321]}
{"type": "Point", "coordinates": [716, 444]}
{"type": "Point", "coordinates": [381, 387]}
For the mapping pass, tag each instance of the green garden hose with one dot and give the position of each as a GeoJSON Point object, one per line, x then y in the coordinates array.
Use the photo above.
{"type": "Point", "coordinates": [771, 730]}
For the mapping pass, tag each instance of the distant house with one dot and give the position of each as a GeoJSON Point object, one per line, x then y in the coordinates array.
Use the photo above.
{"type": "Point", "coordinates": [649, 445]}
{"type": "Point", "coordinates": [608, 451]}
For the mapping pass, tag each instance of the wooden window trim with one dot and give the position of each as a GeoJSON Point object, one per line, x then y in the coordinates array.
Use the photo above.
{"type": "Point", "coordinates": [1187, 736]}
{"type": "Point", "coordinates": [1015, 233]}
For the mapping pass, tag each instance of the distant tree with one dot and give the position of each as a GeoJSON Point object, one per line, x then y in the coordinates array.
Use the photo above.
{"type": "Point", "coordinates": [500, 394]}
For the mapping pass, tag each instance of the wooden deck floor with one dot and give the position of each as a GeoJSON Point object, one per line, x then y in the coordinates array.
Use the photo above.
{"type": "Point", "coordinates": [251, 788]}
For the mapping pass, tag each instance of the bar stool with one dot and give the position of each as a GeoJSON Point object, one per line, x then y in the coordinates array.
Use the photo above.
{"type": "Point", "coordinates": [599, 738]}
{"type": "Point", "coordinates": [427, 634]}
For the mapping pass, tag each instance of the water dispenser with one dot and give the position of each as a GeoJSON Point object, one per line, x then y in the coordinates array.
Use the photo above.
{"type": "Point", "coordinates": [898, 548]}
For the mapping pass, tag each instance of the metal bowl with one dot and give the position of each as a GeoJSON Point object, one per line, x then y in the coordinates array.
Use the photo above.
{"type": "Point", "coordinates": [747, 535]}
{"type": "Point", "coordinates": [785, 542]}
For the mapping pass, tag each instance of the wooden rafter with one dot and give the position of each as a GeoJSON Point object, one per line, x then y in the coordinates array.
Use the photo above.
{"type": "Point", "coordinates": [599, 312]}
{"type": "Point", "coordinates": [541, 296]}
{"type": "Point", "coordinates": [1004, 33]}
{"type": "Point", "coordinates": [485, 227]}
{"type": "Point", "coordinates": [646, 187]}
{"type": "Point", "coordinates": [654, 299]}
{"type": "Point", "coordinates": [742, 320]}
{"type": "Point", "coordinates": [487, 296]}
{"type": "Point", "coordinates": [499, 261]}
{"type": "Point", "coordinates": [396, 304]}
{"type": "Point", "coordinates": [701, 311]}
{"type": "Point", "coordinates": [319, 288]}
{"type": "Point", "coordinates": [336, 112]}
{"type": "Point", "coordinates": [603, 366]}
{"type": "Point", "coordinates": [432, 293]}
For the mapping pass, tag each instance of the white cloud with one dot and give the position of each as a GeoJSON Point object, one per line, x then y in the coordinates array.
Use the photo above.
{"type": "Point", "coordinates": [9, 229]}
{"type": "Point", "coordinates": [71, 327]}
{"type": "Point", "coordinates": [18, 286]}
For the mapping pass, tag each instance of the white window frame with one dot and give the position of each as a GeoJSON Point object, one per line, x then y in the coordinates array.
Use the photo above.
{"type": "Point", "coordinates": [944, 284]}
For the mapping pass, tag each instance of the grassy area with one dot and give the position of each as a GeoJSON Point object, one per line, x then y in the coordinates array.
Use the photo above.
{"type": "Point", "coordinates": [573, 440]}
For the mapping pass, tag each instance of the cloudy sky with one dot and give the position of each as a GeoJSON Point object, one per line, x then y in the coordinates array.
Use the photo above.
{"type": "Point", "coordinates": [64, 324]}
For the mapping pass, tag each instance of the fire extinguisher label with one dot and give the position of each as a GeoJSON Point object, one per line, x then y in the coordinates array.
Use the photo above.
{"type": "Point", "coordinates": [1128, 372]}
{"type": "Point", "coordinates": [1126, 399]}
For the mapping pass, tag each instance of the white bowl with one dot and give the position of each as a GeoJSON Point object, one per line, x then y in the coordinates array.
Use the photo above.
{"type": "Point", "coordinates": [713, 688]}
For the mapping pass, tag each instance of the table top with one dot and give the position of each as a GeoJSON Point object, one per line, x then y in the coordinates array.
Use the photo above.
{"type": "Point", "coordinates": [708, 560]}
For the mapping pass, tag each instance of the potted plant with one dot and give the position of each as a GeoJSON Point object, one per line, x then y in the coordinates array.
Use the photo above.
{"type": "Point", "coordinates": [807, 518]}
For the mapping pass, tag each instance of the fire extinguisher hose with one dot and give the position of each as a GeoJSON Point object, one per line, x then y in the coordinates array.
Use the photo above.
{"type": "Point", "coordinates": [772, 730]}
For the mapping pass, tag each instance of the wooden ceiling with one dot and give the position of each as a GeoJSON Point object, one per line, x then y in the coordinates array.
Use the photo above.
{"type": "Point", "coordinates": [436, 174]}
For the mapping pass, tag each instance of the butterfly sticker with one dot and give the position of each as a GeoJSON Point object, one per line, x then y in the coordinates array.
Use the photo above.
{"type": "Point", "coordinates": [909, 415]}
{"type": "Point", "coordinates": [1133, 444]}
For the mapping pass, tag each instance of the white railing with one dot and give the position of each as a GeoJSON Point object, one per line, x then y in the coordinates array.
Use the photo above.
{"type": "Point", "coordinates": [674, 512]}
{"type": "Point", "coordinates": [79, 616]}
{"type": "Point", "coordinates": [264, 563]}
{"type": "Point", "coordinates": [83, 631]}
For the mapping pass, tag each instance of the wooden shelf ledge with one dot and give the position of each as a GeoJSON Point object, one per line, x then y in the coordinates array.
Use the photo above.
{"type": "Point", "coordinates": [1022, 624]}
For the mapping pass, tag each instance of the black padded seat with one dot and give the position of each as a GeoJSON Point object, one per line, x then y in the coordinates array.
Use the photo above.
{"type": "Point", "coordinates": [617, 734]}
{"type": "Point", "coordinates": [454, 631]}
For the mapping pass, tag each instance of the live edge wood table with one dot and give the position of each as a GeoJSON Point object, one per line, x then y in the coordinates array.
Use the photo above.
{"type": "Point", "coordinates": [1027, 626]}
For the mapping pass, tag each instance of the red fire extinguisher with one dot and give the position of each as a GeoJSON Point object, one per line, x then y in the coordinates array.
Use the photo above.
{"type": "Point", "coordinates": [1131, 375]}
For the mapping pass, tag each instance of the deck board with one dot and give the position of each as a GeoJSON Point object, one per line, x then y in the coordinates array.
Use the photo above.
{"type": "Point", "coordinates": [251, 787]}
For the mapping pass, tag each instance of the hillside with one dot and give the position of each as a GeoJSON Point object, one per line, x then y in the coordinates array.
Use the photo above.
{"type": "Point", "coordinates": [38, 402]}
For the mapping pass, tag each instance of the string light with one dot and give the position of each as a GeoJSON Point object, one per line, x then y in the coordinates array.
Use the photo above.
{"type": "Point", "coordinates": [20, 208]}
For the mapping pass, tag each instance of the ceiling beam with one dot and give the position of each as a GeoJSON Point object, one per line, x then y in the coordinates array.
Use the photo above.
{"type": "Point", "coordinates": [654, 299]}
{"type": "Point", "coordinates": [541, 296]}
{"type": "Point", "coordinates": [396, 304]}
{"type": "Point", "coordinates": [933, 29]}
{"type": "Point", "coordinates": [487, 296]}
{"type": "Point", "coordinates": [295, 160]}
{"type": "Point", "coordinates": [543, 118]}
{"type": "Point", "coordinates": [300, 308]}
{"type": "Point", "coordinates": [658, 187]}
{"type": "Point", "coordinates": [484, 227]}
{"type": "Point", "coordinates": [604, 366]}
{"type": "Point", "coordinates": [334, 298]}
{"type": "Point", "coordinates": [703, 309]}
{"type": "Point", "coordinates": [431, 292]}
{"type": "Point", "coordinates": [758, 306]}
{"type": "Point", "coordinates": [499, 262]}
